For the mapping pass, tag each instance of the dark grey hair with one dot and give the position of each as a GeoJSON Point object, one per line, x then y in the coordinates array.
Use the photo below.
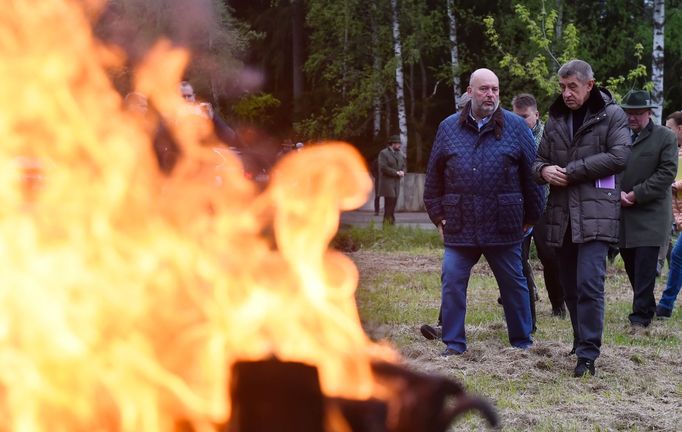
{"type": "Point", "coordinates": [578, 68]}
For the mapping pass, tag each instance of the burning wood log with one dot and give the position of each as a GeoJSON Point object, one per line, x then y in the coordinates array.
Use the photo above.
{"type": "Point", "coordinates": [271, 395]}
{"type": "Point", "coordinates": [427, 403]}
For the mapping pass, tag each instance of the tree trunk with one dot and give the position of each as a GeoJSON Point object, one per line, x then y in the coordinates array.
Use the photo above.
{"type": "Point", "coordinates": [344, 59]}
{"type": "Point", "coordinates": [376, 66]}
{"type": "Point", "coordinates": [454, 53]}
{"type": "Point", "coordinates": [559, 25]}
{"type": "Point", "coordinates": [388, 124]}
{"type": "Point", "coordinates": [297, 54]}
{"type": "Point", "coordinates": [399, 91]}
{"type": "Point", "coordinates": [658, 59]}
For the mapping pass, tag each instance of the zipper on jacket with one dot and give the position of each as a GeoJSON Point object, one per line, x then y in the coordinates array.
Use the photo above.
{"type": "Point", "coordinates": [590, 122]}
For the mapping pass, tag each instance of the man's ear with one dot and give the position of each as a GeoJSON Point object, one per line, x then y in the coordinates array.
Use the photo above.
{"type": "Point", "coordinates": [590, 84]}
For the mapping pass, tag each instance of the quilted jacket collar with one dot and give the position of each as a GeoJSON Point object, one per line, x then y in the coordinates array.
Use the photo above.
{"type": "Point", "coordinates": [496, 121]}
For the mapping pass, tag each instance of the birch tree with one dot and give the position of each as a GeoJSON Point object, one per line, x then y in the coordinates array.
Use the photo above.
{"type": "Point", "coordinates": [399, 80]}
{"type": "Point", "coordinates": [376, 67]}
{"type": "Point", "coordinates": [657, 59]}
{"type": "Point", "coordinates": [454, 53]}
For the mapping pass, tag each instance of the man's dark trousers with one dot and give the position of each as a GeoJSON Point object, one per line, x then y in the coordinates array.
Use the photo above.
{"type": "Point", "coordinates": [389, 209]}
{"type": "Point", "coordinates": [583, 272]}
{"type": "Point", "coordinates": [640, 265]}
{"type": "Point", "coordinates": [528, 273]}
{"type": "Point", "coordinates": [551, 268]}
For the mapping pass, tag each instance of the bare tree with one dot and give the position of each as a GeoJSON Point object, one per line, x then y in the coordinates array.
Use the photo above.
{"type": "Point", "coordinates": [658, 59]}
{"type": "Point", "coordinates": [376, 66]}
{"type": "Point", "coordinates": [454, 53]}
{"type": "Point", "coordinates": [400, 92]}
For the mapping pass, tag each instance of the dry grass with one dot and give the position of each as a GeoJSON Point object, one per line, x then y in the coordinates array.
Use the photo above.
{"type": "Point", "coordinates": [639, 374]}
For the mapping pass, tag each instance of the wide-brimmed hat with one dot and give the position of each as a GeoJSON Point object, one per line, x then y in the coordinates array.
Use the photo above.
{"type": "Point", "coordinates": [394, 139]}
{"type": "Point", "coordinates": [637, 99]}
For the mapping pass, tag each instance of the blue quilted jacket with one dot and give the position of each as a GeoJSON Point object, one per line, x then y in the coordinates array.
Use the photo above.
{"type": "Point", "coordinates": [481, 182]}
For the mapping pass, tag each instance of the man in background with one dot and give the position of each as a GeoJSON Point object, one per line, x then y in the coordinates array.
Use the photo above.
{"type": "Point", "coordinates": [645, 217]}
{"type": "Point", "coordinates": [525, 106]}
{"type": "Point", "coordinates": [391, 171]}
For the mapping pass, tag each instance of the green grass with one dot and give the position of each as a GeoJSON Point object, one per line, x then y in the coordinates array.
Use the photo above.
{"type": "Point", "coordinates": [390, 238]}
{"type": "Point", "coordinates": [639, 373]}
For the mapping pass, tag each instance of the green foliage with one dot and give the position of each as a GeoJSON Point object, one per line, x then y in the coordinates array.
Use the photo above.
{"type": "Point", "coordinates": [621, 84]}
{"type": "Point", "coordinates": [540, 62]}
{"type": "Point", "coordinates": [256, 108]}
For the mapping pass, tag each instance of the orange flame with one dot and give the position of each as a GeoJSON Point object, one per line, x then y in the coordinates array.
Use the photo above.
{"type": "Point", "coordinates": [126, 295]}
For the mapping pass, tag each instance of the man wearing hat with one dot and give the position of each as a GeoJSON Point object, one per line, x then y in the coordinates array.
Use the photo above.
{"type": "Point", "coordinates": [645, 198]}
{"type": "Point", "coordinates": [585, 144]}
{"type": "Point", "coordinates": [391, 170]}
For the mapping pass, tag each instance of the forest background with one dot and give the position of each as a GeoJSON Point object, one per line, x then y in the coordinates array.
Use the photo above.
{"type": "Point", "coordinates": [361, 70]}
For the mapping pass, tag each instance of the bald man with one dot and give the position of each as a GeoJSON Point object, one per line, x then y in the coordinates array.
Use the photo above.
{"type": "Point", "coordinates": [481, 196]}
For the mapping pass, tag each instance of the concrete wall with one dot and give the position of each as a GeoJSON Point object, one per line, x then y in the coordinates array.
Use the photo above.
{"type": "Point", "coordinates": [411, 197]}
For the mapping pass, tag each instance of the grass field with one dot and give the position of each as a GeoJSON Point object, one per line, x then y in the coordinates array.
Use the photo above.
{"type": "Point", "coordinates": [638, 386]}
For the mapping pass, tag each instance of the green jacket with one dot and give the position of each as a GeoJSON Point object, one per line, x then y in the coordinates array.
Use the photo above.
{"type": "Point", "coordinates": [389, 163]}
{"type": "Point", "coordinates": [650, 171]}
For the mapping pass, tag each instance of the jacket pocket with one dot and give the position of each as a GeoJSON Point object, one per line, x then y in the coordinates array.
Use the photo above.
{"type": "Point", "coordinates": [452, 207]}
{"type": "Point", "coordinates": [510, 213]}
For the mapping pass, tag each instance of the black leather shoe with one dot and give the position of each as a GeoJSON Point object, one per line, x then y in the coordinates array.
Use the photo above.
{"type": "Point", "coordinates": [450, 352]}
{"type": "Point", "coordinates": [663, 313]}
{"type": "Point", "coordinates": [584, 367]}
{"type": "Point", "coordinates": [430, 332]}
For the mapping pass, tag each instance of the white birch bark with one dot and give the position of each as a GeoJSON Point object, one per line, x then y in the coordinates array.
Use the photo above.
{"type": "Point", "coordinates": [657, 60]}
{"type": "Point", "coordinates": [559, 25]}
{"type": "Point", "coordinates": [454, 52]}
{"type": "Point", "coordinates": [400, 92]}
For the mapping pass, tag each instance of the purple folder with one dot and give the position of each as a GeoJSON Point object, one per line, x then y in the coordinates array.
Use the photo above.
{"type": "Point", "coordinates": [606, 182]}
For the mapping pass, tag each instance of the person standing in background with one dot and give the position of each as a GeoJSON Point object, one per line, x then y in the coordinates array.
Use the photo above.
{"type": "Point", "coordinates": [645, 198]}
{"type": "Point", "coordinates": [664, 309]}
{"type": "Point", "coordinates": [391, 171]}
{"type": "Point", "coordinates": [525, 106]}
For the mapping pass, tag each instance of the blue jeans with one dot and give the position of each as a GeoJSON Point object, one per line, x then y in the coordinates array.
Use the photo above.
{"type": "Point", "coordinates": [505, 262]}
{"type": "Point", "coordinates": [672, 287]}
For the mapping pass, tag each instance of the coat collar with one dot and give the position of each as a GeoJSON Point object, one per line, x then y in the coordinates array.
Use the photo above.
{"type": "Point", "coordinates": [595, 103]}
{"type": "Point", "coordinates": [496, 121]}
{"type": "Point", "coordinates": [645, 132]}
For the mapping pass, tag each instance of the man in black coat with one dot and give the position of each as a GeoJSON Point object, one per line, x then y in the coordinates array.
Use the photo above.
{"type": "Point", "coordinates": [585, 144]}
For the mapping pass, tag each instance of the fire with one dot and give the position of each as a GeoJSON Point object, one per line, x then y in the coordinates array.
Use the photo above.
{"type": "Point", "coordinates": [127, 295]}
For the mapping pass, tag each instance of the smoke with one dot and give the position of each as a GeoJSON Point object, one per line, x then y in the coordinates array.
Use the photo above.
{"type": "Point", "coordinates": [203, 27]}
